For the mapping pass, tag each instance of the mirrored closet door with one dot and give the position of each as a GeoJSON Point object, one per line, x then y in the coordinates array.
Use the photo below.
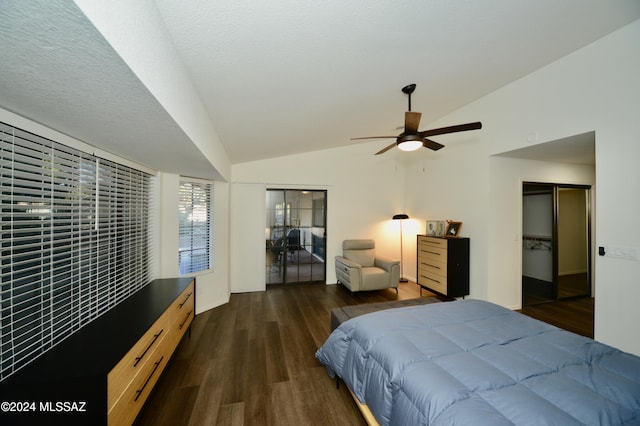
{"type": "Point", "coordinates": [556, 242]}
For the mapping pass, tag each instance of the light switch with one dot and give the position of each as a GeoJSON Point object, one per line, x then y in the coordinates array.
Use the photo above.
{"type": "Point", "coordinates": [629, 253]}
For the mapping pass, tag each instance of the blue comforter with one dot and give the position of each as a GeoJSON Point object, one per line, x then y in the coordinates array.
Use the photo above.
{"type": "Point", "coordinates": [475, 363]}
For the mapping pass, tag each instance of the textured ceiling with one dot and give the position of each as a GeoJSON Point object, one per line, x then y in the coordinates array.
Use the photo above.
{"type": "Point", "coordinates": [285, 76]}
{"type": "Point", "coordinates": [288, 76]}
{"type": "Point", "coordinates": [56, 69]}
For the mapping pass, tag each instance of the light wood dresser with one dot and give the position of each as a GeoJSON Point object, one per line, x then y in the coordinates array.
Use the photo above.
{"type": "Point", "coordinates": [103, 374]}
{"type": "Point", "coordinates": [443, 265]}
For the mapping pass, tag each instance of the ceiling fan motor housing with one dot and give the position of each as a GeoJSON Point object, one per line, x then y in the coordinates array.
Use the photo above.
{"type": "Point", "coordinates": [409, 88]}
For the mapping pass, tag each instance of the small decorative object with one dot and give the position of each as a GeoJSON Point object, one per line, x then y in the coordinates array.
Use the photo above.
{"type": "Point", "coordinates": [453, 229]}
{"type": "Point", "coordinates": [435, 228]}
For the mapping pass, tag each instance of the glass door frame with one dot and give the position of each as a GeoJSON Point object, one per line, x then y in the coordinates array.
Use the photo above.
{"type": "Point", "coordinates": [295, 230]}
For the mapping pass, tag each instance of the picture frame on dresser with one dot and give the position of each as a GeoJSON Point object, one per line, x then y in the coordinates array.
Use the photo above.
{"type": "Point", "coordinates": [436, 228]}
{"type": "Point", "coordinates": [453, 229]}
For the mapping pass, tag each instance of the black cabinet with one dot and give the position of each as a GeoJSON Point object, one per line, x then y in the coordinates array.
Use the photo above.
{"type": "Point", "coordinates": [69, 383]}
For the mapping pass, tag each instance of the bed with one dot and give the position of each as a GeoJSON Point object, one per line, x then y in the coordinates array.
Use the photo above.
{"type": "Point", "coordinates": [474, 362]}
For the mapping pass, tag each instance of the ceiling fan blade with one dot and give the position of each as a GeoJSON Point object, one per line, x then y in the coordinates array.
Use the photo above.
{"type": "Point", "coordinates": [375, 137]}
{"type": "Point", "coordinates": [411, 121]}
{"type": "Point", "coordinates": [428, 143]}
{"type": "Point", "coordinates": [385, 149]}
{"type": "Point", "coordinates": [451, 129]}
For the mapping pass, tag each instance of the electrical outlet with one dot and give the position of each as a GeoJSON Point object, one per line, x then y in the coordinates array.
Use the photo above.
{"type": "Point", "coordinates": [628, 253]}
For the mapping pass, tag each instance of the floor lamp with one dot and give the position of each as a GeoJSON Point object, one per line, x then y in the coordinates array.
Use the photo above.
{"type": "Point", "coordinates": [401, 217]}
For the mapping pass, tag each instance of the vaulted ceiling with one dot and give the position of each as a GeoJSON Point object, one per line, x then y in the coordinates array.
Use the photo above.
{"type": "Point", "coordinates": [284, 76]}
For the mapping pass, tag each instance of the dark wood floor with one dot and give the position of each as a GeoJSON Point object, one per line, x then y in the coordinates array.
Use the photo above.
{"type": "Point", "coordinates": [575, 315]}
{"type": "Point", "coordinates": [251, 362]}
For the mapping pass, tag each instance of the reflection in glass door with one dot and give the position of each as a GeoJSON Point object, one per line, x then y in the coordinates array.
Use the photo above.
{"type": "Point", "coordinates": [295, 236]}
{"type": "Point", "coordinates": [538, 244]}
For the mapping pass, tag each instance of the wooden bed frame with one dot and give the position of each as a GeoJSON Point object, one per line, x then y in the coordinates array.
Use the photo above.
{"type": "Point", "coordinates": [364, 410]}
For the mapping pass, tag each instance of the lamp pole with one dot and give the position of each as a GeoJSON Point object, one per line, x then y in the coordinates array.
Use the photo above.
{"type": "Point", "coordinates": [401, 217]}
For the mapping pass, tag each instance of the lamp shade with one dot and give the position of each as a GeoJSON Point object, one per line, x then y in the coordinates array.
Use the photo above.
{"type": "Point", "coordinates": [400, 216]}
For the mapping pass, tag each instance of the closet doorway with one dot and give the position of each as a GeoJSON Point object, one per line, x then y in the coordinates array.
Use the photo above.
{"type": "Point", "coordinates": [295, 236]}
{"type": "Point", "coordinates": [556, 242]}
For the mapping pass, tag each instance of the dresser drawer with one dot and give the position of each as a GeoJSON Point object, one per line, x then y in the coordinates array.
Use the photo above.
{"type": "Point", "coordinates": [134, 362]}
{"type": "Point", "coordinates": [182, 305]}
{"type": "Point", "coordinates": [432, 241]}
{"type": "Point", "coordinates": [180, 327]}
{"type": "Point", "coordinates": [432, 254]}
{"type": "Point", "coordinates": [433, 282]}
{"type": "Point", "coordinates": [182, 314]}
{"type": "Point", "coordinates": [432, 267]}
{"type": "Point", "coordinates": [125, 410]}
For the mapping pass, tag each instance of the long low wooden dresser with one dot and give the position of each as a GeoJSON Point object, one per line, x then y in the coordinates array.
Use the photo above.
{"type": "Point", "coordinates": [103, 374]}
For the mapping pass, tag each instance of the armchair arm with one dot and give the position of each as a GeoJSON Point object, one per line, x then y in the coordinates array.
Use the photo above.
{"type": "Point", "coordinates": [386, 263]}
{"type": "Point", "coordinates": [347, 262]}
{"type": "Point", "coordinates": [348, 273]}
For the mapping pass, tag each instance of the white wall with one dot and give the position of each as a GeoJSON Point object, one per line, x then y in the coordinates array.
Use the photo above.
{"type": "Point", "coordinates": [616, 66]}
{"type": "Point", "coordinates": [596, 88]}
{"type": "Point", "coordinates": [247, 246]}
{"type": "Point", "coordinates": [363, 193]}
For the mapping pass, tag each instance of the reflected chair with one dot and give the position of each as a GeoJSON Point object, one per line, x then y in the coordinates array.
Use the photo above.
{"type": "Point", "coordinates": [288, 244]}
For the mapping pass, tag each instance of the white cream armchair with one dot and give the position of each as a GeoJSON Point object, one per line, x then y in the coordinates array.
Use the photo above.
{"type": "Point", "coordinates": [359, 269]}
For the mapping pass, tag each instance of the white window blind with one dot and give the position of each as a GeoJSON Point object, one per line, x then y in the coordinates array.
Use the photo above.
{"type": "Point", "coordinates": [194, 251]}
{"type": "Point", "coordinates": [75, 241]}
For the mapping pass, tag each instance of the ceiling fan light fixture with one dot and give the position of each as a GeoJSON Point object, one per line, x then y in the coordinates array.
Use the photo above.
{"type": "Point", "coordinates": [409, 142]}
{"type": "Point", "coordinates": [412, 138]}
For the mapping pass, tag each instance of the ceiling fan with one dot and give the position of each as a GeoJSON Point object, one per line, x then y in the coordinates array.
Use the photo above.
{"type": "Point", "coordinates": [411, 139]}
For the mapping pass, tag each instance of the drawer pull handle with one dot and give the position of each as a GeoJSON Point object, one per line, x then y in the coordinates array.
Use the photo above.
{"type": "Point", "coordinates": [430, 266]}
{"type": "Point", "coordinates": [438, 244]}
{"type": "Point", "coordinates": [155, 367]}
{"type": "Point", "coordinates": [430, 279]}
{"type": "Point", "coordinates": [431, 252]}
{"type": "Point", "coordinates": [185, 320]}
{"type": "Point", "coordinates": [185, 300]}
{"type": "Point", "coordinates": [139, 358]}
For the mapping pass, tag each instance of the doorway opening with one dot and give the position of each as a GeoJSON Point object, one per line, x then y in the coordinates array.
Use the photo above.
{"type": "Point", "coordinates": [296, 236]}
{"type": "Point", "coordinates": [556, 242]}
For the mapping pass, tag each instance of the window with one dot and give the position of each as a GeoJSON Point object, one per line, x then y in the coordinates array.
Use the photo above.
{"type": "Point", "coordinates": [194, 253]}
{"type": "Point", "coordinates": [75, 241]}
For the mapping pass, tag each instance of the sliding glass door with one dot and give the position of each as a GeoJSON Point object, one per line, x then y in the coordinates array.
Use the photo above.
{"type": "Point", "coordinates": [295, 236]}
